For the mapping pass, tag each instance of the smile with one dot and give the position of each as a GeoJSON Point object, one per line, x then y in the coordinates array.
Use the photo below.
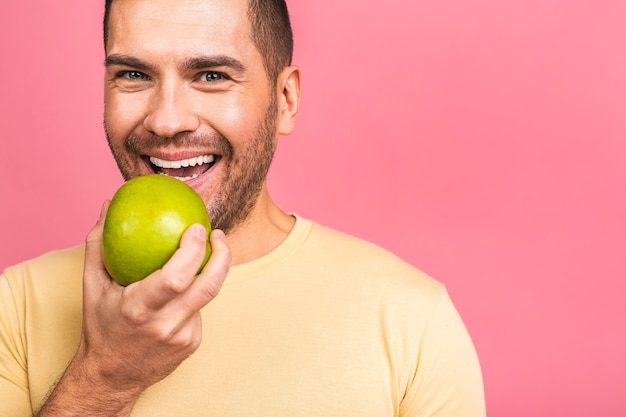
{"type": "Point", "coordinates": [184, 169]}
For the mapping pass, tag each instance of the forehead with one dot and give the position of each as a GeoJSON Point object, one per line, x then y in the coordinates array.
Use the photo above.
{"type": "Point", "coordinates": [179, 26]}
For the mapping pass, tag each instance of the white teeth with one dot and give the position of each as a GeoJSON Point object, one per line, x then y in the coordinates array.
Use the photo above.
{"type": "Point", "coordinates": [191, 162]}
{"type": "Point", "coordinates": [180, 178]}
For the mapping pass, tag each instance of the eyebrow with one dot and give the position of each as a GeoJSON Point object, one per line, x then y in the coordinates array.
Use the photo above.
{"type": "Point", "coordinates": [213, 61]}
{"type": "Point", "coordinates": [126, 61]}
{"type": "Point", "coordinates": [195, 63]}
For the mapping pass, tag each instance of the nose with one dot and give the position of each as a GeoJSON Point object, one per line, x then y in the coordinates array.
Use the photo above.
{"type": "Point", "coordinates": [171, 111]}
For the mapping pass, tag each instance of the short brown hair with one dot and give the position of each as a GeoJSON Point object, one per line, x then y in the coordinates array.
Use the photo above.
{"type": "Point", "coordinates": [271, 33]}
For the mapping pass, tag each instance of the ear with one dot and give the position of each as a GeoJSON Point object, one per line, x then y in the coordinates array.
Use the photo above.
{"type": "Point", "coordinates": [289, 87]}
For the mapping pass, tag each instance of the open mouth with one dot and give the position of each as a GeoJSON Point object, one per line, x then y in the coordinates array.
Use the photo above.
{"type": "Point", "coordinates": [184, 169]}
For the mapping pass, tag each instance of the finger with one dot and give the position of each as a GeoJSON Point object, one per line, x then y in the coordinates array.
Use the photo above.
{"type": "Point", "coordinates": [95, 275]}
{"type": "Point", "coordinates": [177, 274]}
{"type": "Point", "coordinates": [207, 285]}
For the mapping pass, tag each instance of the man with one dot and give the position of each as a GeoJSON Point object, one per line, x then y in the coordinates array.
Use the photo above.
{"type": "Point", "coordinates": [287, 318]}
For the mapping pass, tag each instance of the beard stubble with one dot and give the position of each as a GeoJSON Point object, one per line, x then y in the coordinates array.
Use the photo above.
{"type": "Point", "coordinates": [245, 172]}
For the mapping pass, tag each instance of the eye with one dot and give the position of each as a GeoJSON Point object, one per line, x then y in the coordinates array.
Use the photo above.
{"type": "Point", "coordinates": [132, 75]}
{"type": "Point", "coordinates": [212, 76]}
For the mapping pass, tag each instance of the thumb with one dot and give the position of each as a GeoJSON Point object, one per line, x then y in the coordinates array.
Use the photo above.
{"type": "Point", "coordinates": [95, 274]}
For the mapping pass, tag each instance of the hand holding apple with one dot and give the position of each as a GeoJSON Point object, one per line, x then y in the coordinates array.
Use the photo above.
{"type": "Point", "coordinates": [133, 336]}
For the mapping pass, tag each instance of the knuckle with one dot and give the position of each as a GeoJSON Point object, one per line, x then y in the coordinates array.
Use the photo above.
{"type": "Point", "coordinates": [165, 334]}
{"type": "Point", "coordinates": [175, 285]}
{"type": "Point", "coordinates": [191, 339]}
{"type": "Point", "coordinates": [185, 339]}
{"type": "Point", "coordinates": [194, 342]}
{"type": "Point", "coordinates": [210, 290]}
{"type": "Point", "coordinates": [134, 313]}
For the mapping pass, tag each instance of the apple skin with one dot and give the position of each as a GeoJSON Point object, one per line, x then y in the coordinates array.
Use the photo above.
{"type": "Point", "coordinates": [144, 225]}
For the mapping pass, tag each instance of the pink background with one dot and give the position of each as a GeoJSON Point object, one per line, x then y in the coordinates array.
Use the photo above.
{"type": "Point", "coordinates": [483, 141]}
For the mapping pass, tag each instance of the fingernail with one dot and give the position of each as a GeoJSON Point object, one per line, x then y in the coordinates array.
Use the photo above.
{"type": "Point", "coordinates": [219, 234]}
{"type": "Point", "coordinates": [199, 231]}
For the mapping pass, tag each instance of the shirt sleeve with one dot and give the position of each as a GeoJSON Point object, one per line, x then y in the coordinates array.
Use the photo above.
{"type": "Point", "coordinates": [14, 390]}
{"type": "Point", "coordinates": [448, 380]}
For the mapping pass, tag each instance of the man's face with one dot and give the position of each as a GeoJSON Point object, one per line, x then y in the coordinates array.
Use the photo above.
{"type": "Point", "coordinates": [186, 95]}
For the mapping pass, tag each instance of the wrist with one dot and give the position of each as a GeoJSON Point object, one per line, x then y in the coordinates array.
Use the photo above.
{"type": "Point", "coordinates": [85, 389]}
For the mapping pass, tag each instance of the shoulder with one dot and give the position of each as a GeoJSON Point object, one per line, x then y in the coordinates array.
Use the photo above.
{"type": "Point", "coordinates": [49, 273]}
{"type": "Point", "coordinates": [58, 260]}
{"type": "Point", "coordinates": [368, 265]}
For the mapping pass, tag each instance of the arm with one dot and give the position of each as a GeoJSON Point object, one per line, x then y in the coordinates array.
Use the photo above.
{"type": "Point", "coordinates": [448, 380]}
{"type": "Point", "coordinates": [13, 370]}
{"type": "Point", "coordinates": [135, 336]}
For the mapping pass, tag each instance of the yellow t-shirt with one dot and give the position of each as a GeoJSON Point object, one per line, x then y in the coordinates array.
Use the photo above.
{"type": "Point", "coordinates": [324, 325]}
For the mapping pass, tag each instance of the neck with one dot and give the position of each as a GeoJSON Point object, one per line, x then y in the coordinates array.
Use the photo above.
{"type": "Point", "coordinates": [265, 229]}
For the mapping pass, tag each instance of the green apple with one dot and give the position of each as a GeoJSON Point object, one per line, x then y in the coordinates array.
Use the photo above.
{"type": "Point", "coordinates": [144, 225]}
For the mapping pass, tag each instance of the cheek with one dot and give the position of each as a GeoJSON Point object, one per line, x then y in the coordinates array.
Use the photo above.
{"type": "Point", "coordinates": [236, 117]}
{"type": "Point", "coordinates": [121, 115]}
